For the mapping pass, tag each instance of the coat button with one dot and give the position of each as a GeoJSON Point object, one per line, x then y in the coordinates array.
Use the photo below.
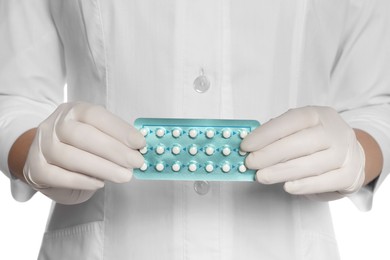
{"type": "Point", "coordinates": [201, 187]}
{"type": "Point", "coordinates": [201, 83]}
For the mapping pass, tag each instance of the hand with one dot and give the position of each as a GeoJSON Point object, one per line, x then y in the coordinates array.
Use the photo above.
{"type": "Point", "coordinates": [312, 150]}
{"type": "Point", "coordinates": [79, 147]}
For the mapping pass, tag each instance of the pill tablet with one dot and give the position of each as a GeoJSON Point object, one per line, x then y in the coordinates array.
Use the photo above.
{"type": "Point", "coordinates": [210, 133]}
{"type": "Point", "coordinates": [242, 168]}
{"type": "Point", "coordinates": [144, 167]}
{"type": "Point", "coordinates": [193, 133]}
{"type": "Point", "coordinates": [160, 166]}
{"type": "Point", "coordinates": [144, 131]}
{"type": "Point", "coordinates": [209, 167]}
{"type": "Point", "coordinates": [176, 149]}
{"type": "Point", "coordinates": [160, 149]}
{"type": "Point", "coordinates": [226, 133]}
{"type": "Point", "coordinates": [209, 150]}
{"type": "Point", "coordinates": [243, 134]}
{"type": "Point", "coordinates": [226, 167]}
{"type": "Point", "coordinates": [143, 150]}
{"type": "Point", "coordinates": [226, 151]}
{"type": "Point", "coordinates": [193, 150]}
{"type": "Point", "coordinates": [176, 132]}
{"type": "Point", "coordinates": [192, 167]}
{"type": "Point", "coordinates": [176, 167]}
{"type": "Point", "coordinates": [160, 132]}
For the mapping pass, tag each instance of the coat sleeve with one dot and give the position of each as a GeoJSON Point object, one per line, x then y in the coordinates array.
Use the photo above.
{"type": "Point", "coordinates": [32, 75]}
{"type": "Point", "coordinates": [361, 80]}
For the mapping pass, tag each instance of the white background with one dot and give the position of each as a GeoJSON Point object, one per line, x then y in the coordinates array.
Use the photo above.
{"type": "Point", "coordinates": [360, 235]}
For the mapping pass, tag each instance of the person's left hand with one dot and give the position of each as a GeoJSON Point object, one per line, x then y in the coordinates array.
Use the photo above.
{"type": "Point", "coordinates": [311, 149]}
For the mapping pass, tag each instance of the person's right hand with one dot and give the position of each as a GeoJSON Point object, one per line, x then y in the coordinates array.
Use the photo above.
{"type": "Point", "coordinates": [79, 147]}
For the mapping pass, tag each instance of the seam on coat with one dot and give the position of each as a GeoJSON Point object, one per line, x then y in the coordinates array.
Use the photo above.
{"type": "Point", "coordinates": [106, 67]}
{"type": "Point", "coordinates": [105, 79]}
{"type": "Point", "coordinates": [297, 51]}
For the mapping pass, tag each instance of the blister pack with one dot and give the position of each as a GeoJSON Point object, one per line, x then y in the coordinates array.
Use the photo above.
{"type": "Point", "coordinates": [194, 149]}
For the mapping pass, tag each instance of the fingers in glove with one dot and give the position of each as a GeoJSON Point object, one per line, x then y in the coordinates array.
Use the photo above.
{"type": "Point", "coordinates": [85, 163]}
{"type": "Point", "coordinates": [110, 124]}
{"type": "Point", "coordinates": [94, 141]}
{"type": "Point", "coordinates": [303, 167]}
{"type": "Point", "coordinates": [68, 196]}
{"type": "Point", "coordinates": [54, 176]}
{"type": "Point", "coordinates": [286, 124]}
{"type": "Point", "coordinates": [302, 143]}
{"type": "Point", "coordinates": [328, 182]}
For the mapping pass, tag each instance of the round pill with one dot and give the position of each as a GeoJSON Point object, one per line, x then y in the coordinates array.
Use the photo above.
{"type": "Point", "coordinates": [160, 149]}
{"type": "Point", "coordinates": [226, 151]}
{"type": "Point", "coordinates": [242, 153]}
{"type": "Point", "coordinates": [242, 168]}
{"type": "Point", "coordinates": [176, 167]}
{"type": "Point", "coordinates": [159, 167]}
{"type": "Point", "coordinates": [144, 131]}
{"type": "Point", "coordinates": [193, 133]}
{"type": "Point", "coordinates": [192, 167]}
{"type": "Point", "coordinates": [209, 167]}
{"type": "Point", "coordinates": [226, 133]}
{"type": "Point", "coordinates": [243, 134]}
{"type": "Point", "coordinates": [193, 150]}
{"type": "Point", "coordinates": [160, 132]}
{"type": "Point", "coordinates": [210, 150]}
{"type": "Point", "coordinates": [226, 167]}
{"type": "Point", "coordinates": [210, 133]}
{"type": "Point", "coordinates": [144, 167]}
{"type": "Point", "coordinates": [176, 149]}
{"type": "Point", "coordinates": [143, 150]}
{"type": "Point", "coordinates": [176, 133]}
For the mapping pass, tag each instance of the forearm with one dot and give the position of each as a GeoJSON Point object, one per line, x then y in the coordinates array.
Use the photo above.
{"type": "Point", "coordinates": [373, 153]}
{"type": "Point", "coordinates": [18, 153]}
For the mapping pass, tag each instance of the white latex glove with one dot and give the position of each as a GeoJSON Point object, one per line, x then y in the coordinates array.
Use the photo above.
{"type": "Point", "coordinates": [312, 150]}
{"type": "Point", "coordinates": [79, 147]}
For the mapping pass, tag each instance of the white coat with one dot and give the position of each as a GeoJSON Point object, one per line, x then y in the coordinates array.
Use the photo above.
{"type": "Point", "coordinates": [141, 58]}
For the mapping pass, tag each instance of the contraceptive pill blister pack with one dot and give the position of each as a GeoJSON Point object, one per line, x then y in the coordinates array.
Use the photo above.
{"type": "Point", "coordinates": [194, 149]}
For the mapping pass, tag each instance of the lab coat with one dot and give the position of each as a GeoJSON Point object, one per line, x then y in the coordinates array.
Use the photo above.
{"type": "Point", "coordinates": [142, 59]}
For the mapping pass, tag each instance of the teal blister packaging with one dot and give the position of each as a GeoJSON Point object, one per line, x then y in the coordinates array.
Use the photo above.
{"type": "Point", "coordinates": [194, 149]}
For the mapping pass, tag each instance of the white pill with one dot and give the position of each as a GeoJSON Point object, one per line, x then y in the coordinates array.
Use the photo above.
{"type": "Point", "coordinates": [176, 133]}
{"type": "Point", "coordinates": [176, 150]}
{"type": "Point", "coordinates": [242, 153]}
{"type": "Point", "coordinates": [160, 132]}
{"type": "Point", "coordinates": [242, 168]}
{"type": "Point", "coordinates": [176, 167]}
{"type": "Point", "coordinates": [226, 151]}
{"type": "Point", "coordinates": [160, 149]}
{"type": "Point", "coordinates": [226, 133]}
{"type": "Point", "coordinates": [209, 167]}
{"type": "Point", "coordinates": [210, 150]}
{"type": "Point", "coordinates": [144, 150]}
{"type": "Point", "coordinates": [210, 133]}
{"type": "Point", "coordinates": [193, 133]}
{"type": "Point", "coordinates": [144, 167]}
{"type": "Point", "coordinates": [243, 134]}
{"type": "Point", "coordinates": [144, 131]}
{"type": "Point", "coordinates": [192, 167]}
{"type": "Point", "coordinates": [193, 150]}
{"type": "Point", "coordinates": [226, 167]}
{"type": "Point", "coordinates": [160, 167]}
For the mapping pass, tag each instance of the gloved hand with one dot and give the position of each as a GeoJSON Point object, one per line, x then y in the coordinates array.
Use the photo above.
{"type": "Point", "coordinates": [79, 147]}
{"type": "Point", "coordinates": [312, 150]}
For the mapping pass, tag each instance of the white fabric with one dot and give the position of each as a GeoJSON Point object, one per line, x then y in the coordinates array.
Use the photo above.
{"type": "Point", "coordinates": [140, 58]}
